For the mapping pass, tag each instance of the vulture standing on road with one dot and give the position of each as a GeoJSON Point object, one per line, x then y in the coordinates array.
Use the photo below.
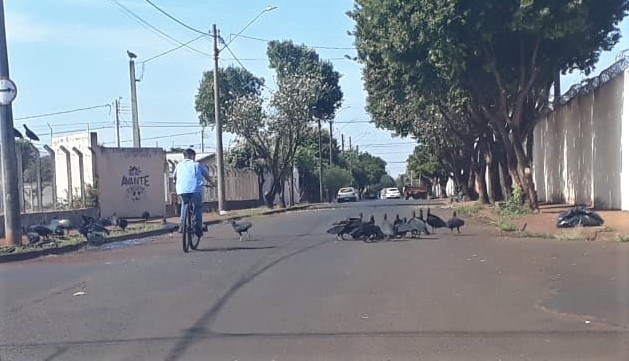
{"type": "Point", "coordinates": [387, 228]}
{"type": "Point", "coordinates": [418, 225]}
{"type": "Point", "coordinates": [345, 226]}
{"type": "Point", "coordinates": [455, 222]}
{"type": "Point", "coordinates": [242, 227]}
{"type": "Point", "coordinates": [435, 221]}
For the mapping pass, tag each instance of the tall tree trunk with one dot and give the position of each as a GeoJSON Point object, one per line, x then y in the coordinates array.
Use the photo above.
{"type": "Point", "coordinates": [480, 184]}
{"type": "Point", "coordinates": [489, 179]}
{"type": "Point", "coordinates": [524, 167]}
{"type": "Point", "coordinates": [261, 186]}
{"type": "Point", "coordinates": [269, 196]}
{"type": "Point", "coordinates": [281, 193]}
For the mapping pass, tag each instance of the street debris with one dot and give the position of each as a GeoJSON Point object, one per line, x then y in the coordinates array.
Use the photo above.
{"type": "Point", "coordinates": [579, 216]}
{"type": "Point", "coordinates": [80, 293]}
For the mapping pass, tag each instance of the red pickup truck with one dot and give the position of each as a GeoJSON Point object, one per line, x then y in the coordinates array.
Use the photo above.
{"type": "Point", "coordinates": [415, 192]}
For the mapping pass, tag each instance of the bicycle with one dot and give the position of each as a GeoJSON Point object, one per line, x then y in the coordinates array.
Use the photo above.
{"type": "Point", "coordinates": [189, 237]}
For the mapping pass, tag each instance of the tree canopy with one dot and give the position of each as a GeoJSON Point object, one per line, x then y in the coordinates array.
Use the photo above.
{"type": "Point", "coordinates": [479, 67]}
{"type": "Point", "coordinates": [233, 83]}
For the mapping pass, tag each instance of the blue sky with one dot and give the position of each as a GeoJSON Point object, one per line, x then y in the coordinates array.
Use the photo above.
{"type": "Point", "coordinates": [69, 54]}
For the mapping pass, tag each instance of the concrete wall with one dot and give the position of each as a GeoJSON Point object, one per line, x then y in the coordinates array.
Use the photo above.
{"type": "Point", "coordinates": [624, 145]}
{"type": "Point", "coordinates": [606, 120]}
{"type": "Point", "coordinates": [577, 155]}
{"type": "Point", "coordinates": [239, 185]}
{"type": "Point", "coordinates": [83, 142]}
{"type": "Point", "coordinates": [131, 181]}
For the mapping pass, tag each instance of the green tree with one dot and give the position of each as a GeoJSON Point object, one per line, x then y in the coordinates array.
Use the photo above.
{"type": "Point", "coordinates": [334, 178]}
{"type": "Point", "coordinates": [289, 59]}
{"type": "Point", "coordinates": [497, 58]}
{"type": "Point", "coordinates": [307, 160]}
{"type": "Point", "coordinates": [233, 83]}
{"type": "Point", "coordinates": [366, 169]}
{"type": "Point", "coordinates": [276, 132]}
{"type": "Point", "coordinates": [386, 181]}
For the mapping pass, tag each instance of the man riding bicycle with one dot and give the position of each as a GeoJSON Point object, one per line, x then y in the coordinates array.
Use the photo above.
{"type": "Point", "coordinates": [188, 176]}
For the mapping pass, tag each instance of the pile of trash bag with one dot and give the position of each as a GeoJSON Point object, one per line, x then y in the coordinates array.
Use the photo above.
{"type": "Point", "coordinates": [579, 216]}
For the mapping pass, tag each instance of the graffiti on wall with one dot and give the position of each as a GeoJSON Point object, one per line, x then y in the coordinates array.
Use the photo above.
{"type": "Point", "coordinates": [135, 183]}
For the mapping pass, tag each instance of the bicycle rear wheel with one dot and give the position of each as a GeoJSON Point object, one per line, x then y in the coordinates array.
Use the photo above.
{"type": "Point", "coordinates": [194, 240]}
{"type": "Point", "coordinates": [186, 229]}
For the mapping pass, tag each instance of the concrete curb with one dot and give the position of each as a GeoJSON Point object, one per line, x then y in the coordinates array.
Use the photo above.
{"type": "Point", "coordinates": [152, 233]}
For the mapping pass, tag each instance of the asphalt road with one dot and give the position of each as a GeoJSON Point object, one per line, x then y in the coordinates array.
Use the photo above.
{"type": "Point", "coordinates": [296, 293]}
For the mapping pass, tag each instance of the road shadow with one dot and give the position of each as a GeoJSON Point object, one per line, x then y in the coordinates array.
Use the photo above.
{"type": "Point", "coordinates": [60, 351]}
{"type": "Point", "coordinates": [204, 323]}
{"type": "Point", "coordinates": [229, 249]}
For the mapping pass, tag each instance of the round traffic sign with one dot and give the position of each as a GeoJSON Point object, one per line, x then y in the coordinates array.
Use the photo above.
{"type": "Point", "coordinates": [8, 91]}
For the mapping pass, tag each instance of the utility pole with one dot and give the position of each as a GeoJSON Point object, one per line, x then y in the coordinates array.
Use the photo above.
{"type": "Point", "coordinates": [117, 106]}
{"type": "Point", "coordinates": [351, 154]}
{"type": "Point", "coordinates": [12, 221]}
{"type": "Point", "coordinates": [134, 101]}
{"type": "Point", "coordinates": [320, 165]}
{"type": "Point", "coordinates": [202, 139]}
{"type": "Point", "coordinates": [343, 144]}
{"type": "Point", "coordinates": [331, 122]}
{"type": "Point", "coordinates": [219, 129]}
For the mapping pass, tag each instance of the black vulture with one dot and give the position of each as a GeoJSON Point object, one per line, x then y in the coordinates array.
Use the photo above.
{"type": "Point", "coordinates": [397, 220]}
{"type": "Point", "coordinates": [367, 232]}
{"type": "Point", "coordinates": [418, 225]}
{"type": "Point", "coordinates": [387, 228]}
{"type": "Point", "coordinates": [455, 222]}
{"type": "Point", "coordinates": [131, 55]}
{"type": "Point", "coordinates": [435, 221]}
{"type": "Point", "coordinates": [119, 222]}
{"type": "Point", "coordinates": [33, 238]}
{"type": "Point", "coordinates": [344, 227]}
{"type": "Point", "coordinates": [17, 134]}
{"type": "Point", "coordinates": [42, 230]}
{"type": "Point", "coordinates": [30, 134]}
{"type": "Point", "coordinates": [242, 227]}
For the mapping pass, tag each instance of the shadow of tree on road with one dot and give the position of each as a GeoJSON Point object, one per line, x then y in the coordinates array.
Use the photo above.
{"type": "Point", "coordinates": [204, 323]}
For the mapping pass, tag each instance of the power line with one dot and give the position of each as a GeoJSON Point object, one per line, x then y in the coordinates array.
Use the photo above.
{"type": "Point", "coordinates": [238, 60]}
{"type": "Point", "coordinates": [310, 46]}
{"type": "Point", "coordinates": [146, 23]}
{"type": "Point", "coordinates": [164, 136]}
{"type": "Point", "coordinates": [235, 57]}
{"type": "Point", "coordinates": [64, 112]}
{"type": "Point", "coordinates": [175, 19]}
{"type": "Point", "coordinates": [171, 50]}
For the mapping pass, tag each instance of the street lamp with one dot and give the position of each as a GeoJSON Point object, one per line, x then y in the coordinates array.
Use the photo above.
{"type": "Point", "coordinates": [217, 119]}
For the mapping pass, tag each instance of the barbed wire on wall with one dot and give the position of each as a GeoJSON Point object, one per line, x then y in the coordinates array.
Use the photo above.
{"type": "Point", "coordinates": [589, 85]}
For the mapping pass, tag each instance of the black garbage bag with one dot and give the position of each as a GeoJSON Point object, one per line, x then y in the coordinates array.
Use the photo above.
{"type": "Point", "coordinates": [579, 216]}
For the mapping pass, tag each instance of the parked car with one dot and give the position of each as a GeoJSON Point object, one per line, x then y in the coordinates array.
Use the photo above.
{"type": "Point", "coordinates": [390, 193]}
{"type": "Point", "coordinates": [348, 194]}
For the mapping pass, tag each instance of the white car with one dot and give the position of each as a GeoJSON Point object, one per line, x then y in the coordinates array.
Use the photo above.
{"type": "Point", "coordinates": [390, 193]}
{"type": "Point", "coordinates": [347, 194]}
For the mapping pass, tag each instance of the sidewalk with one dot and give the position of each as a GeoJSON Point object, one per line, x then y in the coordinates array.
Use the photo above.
{"type": "Point", "coordinates": [208, 218]}
{"type": "Point", "coordinates": [543, 223]}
